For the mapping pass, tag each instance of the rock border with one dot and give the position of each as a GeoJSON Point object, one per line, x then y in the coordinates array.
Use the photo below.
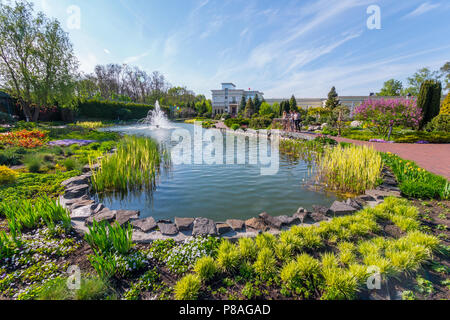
{"type": "Point", "coordinates": [84, 210]}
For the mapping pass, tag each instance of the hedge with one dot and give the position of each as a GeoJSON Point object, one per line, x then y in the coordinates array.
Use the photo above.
{"type": "Point", "coordinates": [112, 110]}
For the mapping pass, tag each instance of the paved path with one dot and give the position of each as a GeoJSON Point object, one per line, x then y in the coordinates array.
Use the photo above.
{"type": "Point", "coordinates": [432, 157]}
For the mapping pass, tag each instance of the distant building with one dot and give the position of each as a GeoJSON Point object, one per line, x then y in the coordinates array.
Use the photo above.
{"type": "Point", "coordinates": [228, 99]}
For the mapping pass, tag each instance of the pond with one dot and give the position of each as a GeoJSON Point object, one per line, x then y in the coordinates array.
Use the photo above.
{"type": "Point", "coordinates": [220, 191]}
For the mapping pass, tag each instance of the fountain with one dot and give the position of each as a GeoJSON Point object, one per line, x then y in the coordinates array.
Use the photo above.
{"type": "Point", "coordinates": [156, 118]}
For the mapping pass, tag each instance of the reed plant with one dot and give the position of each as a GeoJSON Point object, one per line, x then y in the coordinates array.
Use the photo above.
{"type": "Point", "coordinates": [106, 238]}
{"type": "Point", "coordinates": [351, 169]}
{"type": "Point", "coordinates": [134, 167]}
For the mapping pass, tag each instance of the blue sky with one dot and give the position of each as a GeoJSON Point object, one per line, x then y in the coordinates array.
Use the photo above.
{"type": "Point", "coordinates": [283, 47]}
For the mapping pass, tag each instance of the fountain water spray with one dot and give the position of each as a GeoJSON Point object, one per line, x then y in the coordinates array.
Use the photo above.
{"type": "Point", "coordinates": [156, 118]}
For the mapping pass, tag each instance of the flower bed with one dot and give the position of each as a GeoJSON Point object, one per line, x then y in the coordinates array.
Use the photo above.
{"type": "Point", "coordinates": [24, 138]}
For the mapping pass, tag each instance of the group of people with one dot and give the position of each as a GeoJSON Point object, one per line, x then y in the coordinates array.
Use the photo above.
{"type": "Point", "coordinates": [292, 121]}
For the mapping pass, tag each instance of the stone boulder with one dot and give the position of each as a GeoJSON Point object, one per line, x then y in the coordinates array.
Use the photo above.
{"type": "Point", "coordinates": [223, 228]}
{"type": "Point", "coordinates": [341, 209]}
{"type": "Point", "coordinates": [320, 209]}
{"type": "Point", "coordinates": [79, 180]}
{"type": "Point", "coordinates": [302, 215]}
{"type": "Point", "coordinates": [82, 203]}
{"type": "Point", "coordinates": [204, 227]}
{"type": "Point", "coordinates": [125, 216]}
{"type": "Point", "coordinates": [256, 224]}
{"type": "Point", "coordinates": [76, 191]}
{"type": "Point", "coordinates": [81, 213]}
{"type": "Point", "coordinates": [318, 217]}
{"type": "Point", "coordinates": [167, 228]}
{"type": "Point", "coordinates": [356, 124]}
{"type": "Point", "coordinates": [236, 225]}
{"type": "Point", "coordinates": [380, 194]}
{"type": "Point", "coordinates": [104, 215]}
{"type": "Point", "coordinates": [287, 220]}
{"type": "Point", "coordinates": [355, 204]}
{"type": "Point", "coordinates": [274, 222]}
{"type": "Point", "coordinates": [87, 168]}
{"type": "Point", "coordinates": [145, 225]}
{"type": "Point", "coordinates": [184, 224]}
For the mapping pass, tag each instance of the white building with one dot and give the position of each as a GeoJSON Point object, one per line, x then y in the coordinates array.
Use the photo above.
{"type": "Point", "coordinates": [228, 99]}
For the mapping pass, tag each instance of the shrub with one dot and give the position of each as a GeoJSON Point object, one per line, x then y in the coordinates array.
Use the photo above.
{"type": "Point", "coordinates": [227, 256]}
{"type": "Point", "coordinates": [351, 169]}
{"type": "Point", "coordinates": [24, 138]}
{"type": "Point", "coordinates": [302, 276]}
{"type": "Point", "coordinates": [247, 249]}
{"type": "Point", "coordinates": [445, 108]}
{"type": "Point", "coordinates": [340, 284]}
{"type": "Point", "coordinates": [235, 127]}
{"type": "Point", "coordinates": [33, 163]}
{"type": "Point", "coordinates": [265, 265]}
{"type": "Point", "coordinates": [205, 268]}
{"type": "Point", "coordinates": [429, 100]}
{"type": "Point", "coordinates": [71, 164]}
{"type": "Point", "coordinates": [382, 115]}
{"type": "Point", "coordinates": [111, 110]}
{"type": "Point", "coordinates": [188, 288]}
{"type": "Point", "coordinates": [7, 176]}
{"type": "Point", "coordinates": [260, 123]}
{"type": "Point", "coordinates": [440, 123]}
{"type": "Point", "coordinates": [104, 264]}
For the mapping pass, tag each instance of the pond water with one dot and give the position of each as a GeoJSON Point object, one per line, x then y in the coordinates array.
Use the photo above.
{"type": "Point", "coordinates": [220, 192]}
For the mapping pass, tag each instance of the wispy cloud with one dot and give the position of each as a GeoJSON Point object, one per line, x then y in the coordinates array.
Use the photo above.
{"type": "Point", "coordinates": [423, 8]}
{"type": "Point", "coordinates": [107, 51]}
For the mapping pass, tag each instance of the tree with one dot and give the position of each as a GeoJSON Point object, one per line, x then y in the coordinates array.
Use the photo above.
{"type": "Point", "coordinates": [333, 100]}
{"type": "Point", "coordinates": [242, 104]}
{"type": "Point", "coordinates": [445, 109]}
{"type": "Point", "coordinates": [37, 62]}
{"type": "Point", "coordinates": [293, 104]}
{"type": "Point", "coordinates": [267, 110]}
{"type": "Point", "coordinates": [341, 114]}
{"type": "Point", "coordinates": [429, 100]}
{"type": "Point", "coordinates": [257, 104]}
{"type": "Point", "coordinates": [382, 115]}
{"type": "Point", "coordinates": [391, 88]}
{"type": "Point", "coordinates": [446, 74]}
{"type": "Point", "coordinates": [415, 82]}
{"type": "Point", "coordinates": [249, 109]}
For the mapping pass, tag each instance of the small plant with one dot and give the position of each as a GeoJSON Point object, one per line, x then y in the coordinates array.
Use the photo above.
{"type": "Point", "coordinates": [205, 268]}
{"type": "Point", "coordinates": [105, 264]}
{"type": "Point", "coordinates": [188, 288]}
{"type": "Point", "coordinates": [424, 286]}
{"type": "Point", "coordinates": [107, 238]}
{"type": "Point", "coordinates": [247, 249]}
{"type": "Point", "coordinates": [339, 284]}
{"type": "Point", "coordinates": [7, 176]}
{"type": "Point", "coordinates": [227, 256]}
{"type": "Point", "coordinates": [408, 295]}
{"type": "Point", "coordinates": [265, 265]}
{"type": "Point", "coordinates": [251, 291]}
{"type": "Point", "coordinates": [33, 163]}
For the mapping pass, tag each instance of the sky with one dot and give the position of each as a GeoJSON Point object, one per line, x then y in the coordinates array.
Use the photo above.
{"type": "Point", "coordinates": [283, 47]}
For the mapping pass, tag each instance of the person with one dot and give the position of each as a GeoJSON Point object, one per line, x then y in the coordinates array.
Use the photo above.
{"type": "Point", "coordinates": [292, 121]}
{"type": "Point", "coordinates": [297, 121]}
{"type": "Point", "coordinates": [285, 120]}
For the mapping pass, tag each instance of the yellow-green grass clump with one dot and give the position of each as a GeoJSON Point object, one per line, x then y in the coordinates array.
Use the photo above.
{"type": "Point", "coordinates": [188, 287]}
{"type": "Point", "coordinates": [134, 167]}
{"type": "Point", "coordinates": [351, 169]}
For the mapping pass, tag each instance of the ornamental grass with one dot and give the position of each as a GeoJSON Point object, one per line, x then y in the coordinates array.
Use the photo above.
{"type": "Point", "coordinates": [134, 167]}
{"type": "Point", "coordinates": [352, 169]}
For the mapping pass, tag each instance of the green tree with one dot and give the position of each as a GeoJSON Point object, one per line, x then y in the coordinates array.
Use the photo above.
{"type": "Point", "coordinates": [242, 104]}
{"type": "Point", "coordinates": [429, 100]}
{"type": "Point", "coordinates": [333, 100]}
{"type": "Point", "coordinates": [37, 62]}
{"type": "Point", "coordinates": [249, 109]}
{"type": "Point", "coordinates": [257, 103]}
{"type": "Point", "coordinates": [391, 88]}
{"type": "Point", "coordinates": [267, 110]}
{"type": "Point", "coordinates": [415, 82]}
{"type": "Point", "coordinates": [446, 74]}
{"type": "Point", "coordinates": [293, 104]}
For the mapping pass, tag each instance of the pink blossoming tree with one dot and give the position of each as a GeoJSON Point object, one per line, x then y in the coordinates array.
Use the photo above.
{"type": "Point", "coordinates": [383, 114]}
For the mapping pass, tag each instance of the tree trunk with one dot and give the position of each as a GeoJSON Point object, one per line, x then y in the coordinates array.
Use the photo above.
{"type": "Point", "coordinates": [36, 114]}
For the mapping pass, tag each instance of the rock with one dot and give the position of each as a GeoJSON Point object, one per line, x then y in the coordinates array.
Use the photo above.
{"type": "Point", "coordinates": [184, 224]}
{"type": "Point", "coordinates": [380, 194]}
{"type": "Point", "coordinates": [320, 209]}
{"type": "Point", "coordinates": [104, 215]}
{"type": "Point", "coordinates": [236, 225]}
{"type": "Point", "coordinates": [271, 221]}
{"type": "Point", "coordinates": [287, 220]}
{"type": "Point", "coordinates": [79, 180]}
{"type": "Point", "coordinates": [223, 228]}
{"type": "Point", "coordinates": [81, 213]}
{"type": "Point", "coordinates": [96, 208]}
{"type": "Point", "coordinates": [77, 191]}
{"type": "Point", "coordinates": [145, 225]}
{"type": "Point", "coordinates": [302, 216]}
{"type": "Point", "coordinates": [167, 228]}
{"type": "Point", "coordinates": [340, 209]}
{"type": "Point", "coordinates": [318, 217]}
{"type": "Point", "coordinates": [356, 124]}
{"type": "Point", "coordinates": [204, 227]}
{"type": "Point", "coordinates": [354, 204]}
{"type": "Point", "coordinates": [82, 203]}
{"type": "Point", "coordinates": [124, 216]}
{"type": "Point", "coordinates": [67, 203]}
{"type": "Point", "coordinates": [365, 198]}
{"type": "Point", "coordinates": [256, 224]}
